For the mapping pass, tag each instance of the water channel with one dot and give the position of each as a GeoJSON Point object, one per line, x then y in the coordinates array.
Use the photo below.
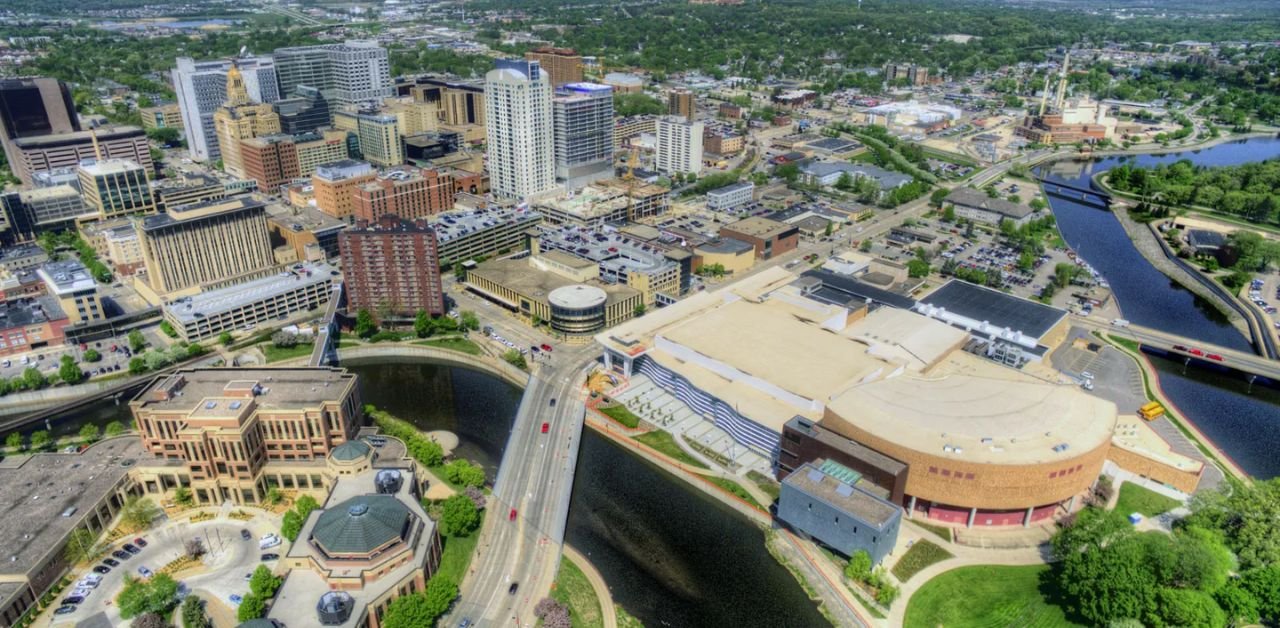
{"type": "Point", "coordinates": [1244, 423]}
{"type": "Point", "coordinates": [671, 555]}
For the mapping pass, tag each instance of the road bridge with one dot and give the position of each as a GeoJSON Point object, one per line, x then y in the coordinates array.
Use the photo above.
{"type": "Point", "coordinates": [1190, 349]}
{"type": "Point", "coordinates": [325, 349]}
{"type": "Point", "coordinates": [523, 534]}
{"type": "Point", "coordinates": [1076, 193]}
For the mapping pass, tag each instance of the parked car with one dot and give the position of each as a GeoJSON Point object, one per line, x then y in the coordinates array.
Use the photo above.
{"type": "Point", "coordinates": [81, 592]}
{"type": "Point", "coordinates": [235, 599]}
{"type": "Point", "coordinates": [269, 557]}
{"type": "Point", "coordinates": [72, 599]}
{"type": "Point", "coordinates": [65, 609]}
{"type": "Point", "coordinates": [132, 549]}
{"type": "Point", "coordinates": [144, 572]}
{"type": "Point", "coordinates": [121, 554]}
{"type": "Point", "coordinates": [244, 535]}
{"type": "Point", "coordinates": [111, 562]}
{"type": "Point", "coordinates": [102, 569]}
{"type": "Point", "coordinates": [140, 542]}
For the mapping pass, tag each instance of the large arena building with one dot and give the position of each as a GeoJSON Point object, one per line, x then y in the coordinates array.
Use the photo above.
{"type": "Point", "coordinates": [889, 393]}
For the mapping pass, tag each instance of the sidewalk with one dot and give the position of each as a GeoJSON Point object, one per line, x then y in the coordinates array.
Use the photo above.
{"type": "Point", "coordinates": [609, 613]}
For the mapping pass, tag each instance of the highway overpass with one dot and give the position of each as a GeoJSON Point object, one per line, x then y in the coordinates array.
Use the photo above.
{"type": "Point", "coordinates": [1188, 348]}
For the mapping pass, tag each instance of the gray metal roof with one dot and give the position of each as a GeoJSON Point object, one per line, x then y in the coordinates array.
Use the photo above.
{"type": "Point", "coordinates": [350, 450]}
{"type": "Point", "coordinates": [361, 524]}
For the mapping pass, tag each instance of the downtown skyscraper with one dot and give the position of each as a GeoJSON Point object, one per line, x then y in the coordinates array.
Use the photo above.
{"type": "Point", "coordinates": [201, 88]}
{"type": "Point", "coordinates": [520, 129]}
{"type": "Point", "coordinates": [583, 114]}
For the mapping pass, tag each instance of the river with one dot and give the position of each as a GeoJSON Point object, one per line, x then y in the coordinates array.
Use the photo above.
{"type": "Point", "coordinates": [671, 555]}
{"type": "Point", "coordinates": [1242, 424]}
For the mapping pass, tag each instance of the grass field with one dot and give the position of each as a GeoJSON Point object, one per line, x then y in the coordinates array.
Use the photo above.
{"type": "Point", "coordinates": [986, 596]}
{"type": "Point", "coordinates": [767, 484]}
{"type": "Point", "coordinates": [622, 415]}
{"type": "Point", "coordinates": [921, 555]}
{"type": "Point", "coordinates": [453, 344]}
{"type": "Point", "coordinates": [458, 551]}
{"type": "Point", "coordinates": [736, 489]}
{"type": "Point", "coordinates": [276, 354]}
{"type": "Point", "coordinates": [574, 590]}
{"type": "Point", "coordinates": [666, 445]}
{"type": "Point", "coordinates": [1134, 498]}
{"type": "Point", "coordinates": [943, 532]}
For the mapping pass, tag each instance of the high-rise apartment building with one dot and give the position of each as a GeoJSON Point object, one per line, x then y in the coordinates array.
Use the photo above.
{"type": "Point", "coordinates": [335, 187]}
{"type": "Point", "coordinates": [380, 142]}
{"type": "Point", "coordinates": [583, 115]}
{"type": "Point", "coordinates": [407, 192]}
{"type": "Point", "coordinates": [678, 146]}
{"type": "Point", "coordinates": [39, 153]}
{"type": "Point", "coordinates": [563, 64]}
{"type": "Point", "coordinates": [32, 107]}
{"type": "Point", "coordinates": [201, 88]}
{"type": "Point", "coordinates": [520, 130]}
{"type": "Point", "coordinates": [306, 110]}
{"type": "Point", "coordinates": [205, 243]}
{"type": "Point", "coordinates": [272, 161]}
{"type": "Point", "coordinates": [116, 187]}
{"type": "Point", "coordinates": [240, 119]}
{"type": "Point", "coordinates": [316, 149]}
{"type": "Point", "coordinates": [914, 74]}
{"type": "Point", "coordinates": [392, 265]}
{"type": "Point", "coordinates": [683, 103]}
{"type": "Point", "coordinates": [349, 73]}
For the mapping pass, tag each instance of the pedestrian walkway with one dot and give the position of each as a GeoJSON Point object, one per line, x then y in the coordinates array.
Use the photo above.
{"type": "Point", "coordinates": [650, 402]}
{"type": "Point", "coordinates": [609, 613]}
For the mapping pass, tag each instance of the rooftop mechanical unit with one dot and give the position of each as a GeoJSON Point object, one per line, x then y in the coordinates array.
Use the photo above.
{"type": "Point", "coordinates": [388, 481]}
{"type": "Point", "coordinates": [334, 608]}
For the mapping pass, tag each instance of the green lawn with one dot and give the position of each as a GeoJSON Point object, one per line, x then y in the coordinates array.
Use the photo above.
{"type": "Point", "coordinates": [943, 532]}
{"type": "Point", "coordinates": [276, 354]}
{"type": "Point", "coordinates": [921, 555]}
{"type": "Point", "coordinates": [458, 551]}
{"type": "Point", "coordinates": [574, 590]}
{"type": "Point", "coordinates": [665, 444]}
{"type": "Point", "coordinates": [1134, 498]}
{"type": "Point", "coordinates": [767, 484]}
{"type": "Point", "coordinates": [453, 344]}
{"type": "Point", "coordinates": [621, 414]}
{"type": "Point", "coordinates": [986, 596]}
{"type": "Point", "coordinates": [736, 489]}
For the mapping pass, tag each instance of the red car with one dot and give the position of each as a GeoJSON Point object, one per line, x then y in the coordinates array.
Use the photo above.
{"type": "Point", "coordinates": [545, 427]}
{"type": "Point", "coordinates": [1194, 351]}
{"type": "Point", "coordinates": [512, 516]}
{"type": "Point", "coordinates": [546, 347]}
{"type": "Point", "coordinates": [1216, 357]}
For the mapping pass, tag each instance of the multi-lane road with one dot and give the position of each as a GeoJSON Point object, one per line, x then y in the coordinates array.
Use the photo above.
{"type": "Point", "coordinates": [523, 533]}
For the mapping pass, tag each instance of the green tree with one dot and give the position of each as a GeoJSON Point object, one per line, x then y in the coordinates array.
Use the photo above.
{"type": "Point", "coordinates": [1182, 607]}
{"type": "Point", "coordinates": [225, 338]}
{"type": "Point", "coordinates": [859, 567]}
{"type": "Point", "coordinates": [514, 358]}
{"type": "Point", "coordinates": [33, 379]}
{"type": "Point", "coordinates": [167, 328]}
{"type": "Point", "coordinates": [464, 473]}
{"type": "Point", "coordinates": [1264, 584]}
{"type": "Point", "coordinates": [251, 607]}
{"type": "Point", "coordinates": [193, 615]}
{"type": "Point", "coordinates": [182, 496]}
{"type": "Point", "coordinates": [114, 428]}
{"type": "Point", "coordinates": [917, 268]}
{"type": "Point", "coordinates": [459, 516]}
{"type": "Point", "coordinates": [69, 371]}
{"type": "Point", "coordinates": [441, 591]}
{"type": "Point", "coordinates": [157, 595]}
{"type": "Point", "coordinates": [138, 512]}
{"type": "Point", "coordinates": [366, 327]}
{"type": "Point", "coordinates": [40, 440]}
{"type": "Point", "coordinates": [82, 546]}
{"type": "Point", "coordinates": [89, 433]}
{"type": "Point", "coordinates": [13, 441]}
{"type": "Point", "coordinates": [425, 450]}
{"type": "Point", "coordinates": [1237, 603]}
{"type": "Point", "coordinates": [136, 340]}
{"type": "Point", "coordinates": [290, 525]}
{"type": "Point", "coordinates": [163, 135]}
{"type": "Point", "coordinates": [639, 310]}
{"type": "Point", "coordinates": [263, 583]}
{"type": "Point", "coordinates": [937, 197]}
{"type": "Point", "coordinates": [1246, 515]}
{"type": "Point", "coordinates": [469, 320]}
{"type": "Point", "coordinates": [422, 326]}
{"type": "Point", "coordinates": [422, 609]}
{"type": "Point", "coordinates": [137, 366]}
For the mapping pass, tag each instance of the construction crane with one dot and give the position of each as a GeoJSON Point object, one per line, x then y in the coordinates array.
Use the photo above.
{"type": "Point", "coordinates": [630, 178]}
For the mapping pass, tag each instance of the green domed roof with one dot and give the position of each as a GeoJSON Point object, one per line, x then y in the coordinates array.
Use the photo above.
{"type": "Point", "coordinates": [351, 450]}
{"type": "Point", "coordinates": [361, 524]}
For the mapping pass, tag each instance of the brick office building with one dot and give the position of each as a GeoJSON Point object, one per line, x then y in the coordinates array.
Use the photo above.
{"type": "Point", "coordinates": [407, 192]}
{"type": "Point", "coordinates": [272, 161]}
{"type": "Point", "coordinates": [769, 237]}
{"type": "Point", "coordinates": [392, 265]}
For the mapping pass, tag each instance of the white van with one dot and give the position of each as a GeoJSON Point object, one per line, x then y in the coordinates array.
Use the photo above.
{"type": "Point", "coordinates": [267, 541]}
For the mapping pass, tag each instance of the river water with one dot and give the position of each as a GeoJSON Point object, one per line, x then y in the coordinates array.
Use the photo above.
{"type": "Point", "coordinates": [671, 555]}
{"type": "Point", "coordinates": [1245, 425]}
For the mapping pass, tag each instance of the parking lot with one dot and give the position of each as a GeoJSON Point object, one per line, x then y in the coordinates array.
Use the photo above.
{"type": "Point", "coordinates": [47, 359]}
{"type": "Point", "coordinates": [222, 573]}
{"type": "Point", "coordinates": [1264, 293]}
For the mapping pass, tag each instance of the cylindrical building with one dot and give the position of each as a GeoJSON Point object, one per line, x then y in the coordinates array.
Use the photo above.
{"type": "Point", "coordinates": [577, 309]}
